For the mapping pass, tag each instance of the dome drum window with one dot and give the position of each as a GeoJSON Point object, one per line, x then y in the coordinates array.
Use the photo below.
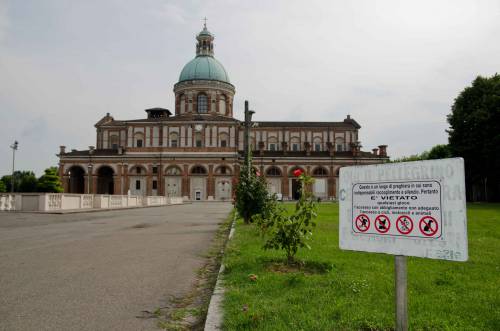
{"type": "Point", "coordinates": [202, 104]}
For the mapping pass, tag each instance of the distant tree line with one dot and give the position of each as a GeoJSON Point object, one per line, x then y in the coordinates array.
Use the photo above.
{"type": "Point", "coordinates": [26, 181]}
{"type": "Point", "coordinates": [474, 135]}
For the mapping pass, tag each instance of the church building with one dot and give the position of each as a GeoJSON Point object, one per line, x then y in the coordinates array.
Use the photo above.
{"type": "Point", "coordinates": [195, 152]}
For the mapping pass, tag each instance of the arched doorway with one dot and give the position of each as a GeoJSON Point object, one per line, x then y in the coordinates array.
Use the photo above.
{"type": "Point", "coordinates": [105, 183]}
{"type": "Point", "coordinates": [198, 182]}
{"type": "Point", "coordinates": [223, 183]}
{"type": "Point", "coordinates": [173, 181]}
{"type": "Point", "coordinates": [273, 179]}
{"type": "Point", "coordinates": [76, 180]}
{"type": "Point", "coordinates": [320, 186]}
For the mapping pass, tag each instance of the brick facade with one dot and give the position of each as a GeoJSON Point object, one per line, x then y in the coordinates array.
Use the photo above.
{"type": "Point", "coordinates": [204, 143]}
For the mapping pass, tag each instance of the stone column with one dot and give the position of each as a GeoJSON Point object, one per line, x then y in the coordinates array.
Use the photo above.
{"type": "Point", "coordinates": [161, 184]}
{"type": "Point", "coordinates": [149, 180]}
{"type": "Point", "coordinates": [331, 182]}
{"type": "Point", "coordinates": [126, 183]}
{"type": "Point", "coordinates": [93, 185]}
{"type": "Point", "coordinates": [66, 183]}
{"type": "Point", "coordinates": [284, 183]}
{"type": "Point", "coordinates": [116, 184]}
{"type": "Point", "coordinates": [118, 187]}
{"type": "Point", "coordinates": [185, 182]}
{"type": "Point", "coordinates": [210, 183]}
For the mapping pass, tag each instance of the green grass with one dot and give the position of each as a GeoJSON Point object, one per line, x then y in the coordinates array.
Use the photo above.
{"type": "Point", "coordinates": [355, 290]}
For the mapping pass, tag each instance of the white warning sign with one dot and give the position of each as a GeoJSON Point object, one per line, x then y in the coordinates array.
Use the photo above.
{"type": "Point", "coordinates": [410, 208]}
{"type": "Point", "coordinates": [390, 208]}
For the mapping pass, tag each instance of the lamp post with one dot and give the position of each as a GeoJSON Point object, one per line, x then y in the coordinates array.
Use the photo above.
{"type": "Point", "coordinates": [14, 147]}
{"type": "Point", "coordinates": [248, 124]}
{"type": "Point", "coordinates": [69, 182]}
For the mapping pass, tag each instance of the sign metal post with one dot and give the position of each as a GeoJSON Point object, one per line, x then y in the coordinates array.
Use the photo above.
{"type": "Point", "coordinates": [401, 277]}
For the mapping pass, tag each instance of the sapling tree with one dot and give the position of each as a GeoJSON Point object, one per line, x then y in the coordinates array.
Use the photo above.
{"type": "Point", "coordinates": [289, 232]}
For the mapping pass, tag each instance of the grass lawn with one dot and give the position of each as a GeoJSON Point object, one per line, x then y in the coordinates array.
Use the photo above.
{"type": "Point", "coordinates": [345, 290]}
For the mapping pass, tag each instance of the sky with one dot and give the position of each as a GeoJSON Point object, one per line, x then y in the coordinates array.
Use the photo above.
{"type": "Point", "coordinates": [394, 66]}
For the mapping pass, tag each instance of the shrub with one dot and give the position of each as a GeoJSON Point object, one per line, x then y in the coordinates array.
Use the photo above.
{"type": "Point", "coordinates": [251, 194]}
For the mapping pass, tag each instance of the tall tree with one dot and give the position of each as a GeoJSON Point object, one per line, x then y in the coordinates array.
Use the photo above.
{"type": "Point", "coordinates": [3, 188]}
{"type": "Point", "coordinates": [24, 181]}
{"type": "Point", "coordinates": [50, 181]}
{"type": "Point", "coordinates": [439, 152]}
{"type": "Point", "coordinates": [475, 135]}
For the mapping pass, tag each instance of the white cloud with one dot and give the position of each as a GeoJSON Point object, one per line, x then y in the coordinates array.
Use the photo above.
{"type": "Point", "coordinates": [394, 66]}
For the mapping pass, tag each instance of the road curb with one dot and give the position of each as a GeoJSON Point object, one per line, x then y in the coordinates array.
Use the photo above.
{"type": "Point", "coordinates": [214, 318]}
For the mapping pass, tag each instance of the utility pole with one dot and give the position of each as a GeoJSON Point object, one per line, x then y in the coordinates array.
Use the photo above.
{"type": "Point", "coordinates": [14, 147]}
{"type": "Point", "coordinates": [246, 141]}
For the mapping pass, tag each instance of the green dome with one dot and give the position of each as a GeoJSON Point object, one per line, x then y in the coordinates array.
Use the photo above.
{"type": "Point", "coordinates": [204, 68]}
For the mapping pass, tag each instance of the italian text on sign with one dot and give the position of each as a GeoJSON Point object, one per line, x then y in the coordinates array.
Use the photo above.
{"type": "Point", "coordinates": [410, 208]}
{"type": "Point", "coordinates": [393, 207]}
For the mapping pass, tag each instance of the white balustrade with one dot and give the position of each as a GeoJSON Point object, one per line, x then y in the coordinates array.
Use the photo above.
{"type": "Point", "coordinates": [47, 202]}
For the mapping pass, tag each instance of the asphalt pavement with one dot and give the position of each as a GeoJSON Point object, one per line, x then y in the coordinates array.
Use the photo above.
{"type": "Point", "coordinates": [98, 271]}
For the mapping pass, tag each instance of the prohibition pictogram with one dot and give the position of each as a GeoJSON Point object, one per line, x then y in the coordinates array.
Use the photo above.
{"type": "Point", "coordinates": [382, 223]}
{"type": "Point", "coordinates": [362, 223]}
{"type": "Point", "coordinates": [404, 224]}
{"type": "Point", "coordinates": [428, 226]}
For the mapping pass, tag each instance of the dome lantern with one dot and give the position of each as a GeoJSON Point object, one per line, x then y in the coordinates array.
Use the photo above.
{"type": "Point", "coordinates": [205, 44]}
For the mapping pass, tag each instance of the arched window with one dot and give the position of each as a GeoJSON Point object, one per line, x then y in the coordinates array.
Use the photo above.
{"type": "Point", "coordinates": [198, 170]}
{"type": "Point", "coordinates": [138, 170]}
{"type": "Point", "coordinates": [295, 144]}
{"type": "Point", "coordinates": [173, 171]}
{"type": "Point", "coordinates": [202, 104]}
{"type": "Point", "coordinates": [223, 170]}
{"type": "Point", "coordinates": [114, 141]}
{"type": "Point", "coordinates": [272, 144]}
{"type": "Point", "coordinates": [222, 104]}
{"type": "Point", "coordinates": [138, 140]}
{"type": "Point", "coordinates": [198, 142]}
{"type": "Point", "coordinates": [182, 104]}
{"type": "Point", "coordinates": [317, 144]}
{"type": "Point", "coordinates": [223, 140]}
{"type": "Point", "coordinates": [174, 139]}
{"type": "Point", "coordinates": [273, 171]}
{"type": "Point", "coordinates": [339, 145]}
{"type": "Point", "coordinates": [320, 171]}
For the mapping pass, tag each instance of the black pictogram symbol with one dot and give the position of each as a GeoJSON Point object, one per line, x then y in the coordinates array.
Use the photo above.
{"type": "Point", "coordinates": [382, 223]}
{"type": "Point", "coordinates": [362, 223]}
{"type": "Point", "coordinates": [404, 224]}
{"type": "Point", "coordinates": [428, 226]}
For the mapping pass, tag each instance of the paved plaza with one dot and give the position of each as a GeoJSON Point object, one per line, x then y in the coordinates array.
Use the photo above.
{"type": "Point", "coordinates": [98, 271]}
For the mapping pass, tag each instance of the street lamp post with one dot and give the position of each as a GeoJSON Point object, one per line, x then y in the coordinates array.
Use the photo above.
{"type": "Point", "coordinates": [14, 147]}
{"type": "Point", "coordinates": [246, 140]}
